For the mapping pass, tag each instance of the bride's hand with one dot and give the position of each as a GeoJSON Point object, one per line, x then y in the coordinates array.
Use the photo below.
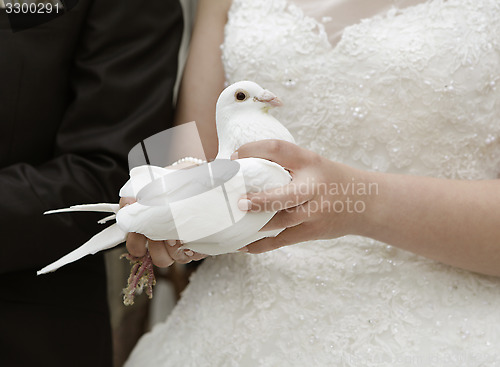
{"type": "Point", "coordinates": [319, 203]}
{"type": "Point", "coordinates": [163, 253]}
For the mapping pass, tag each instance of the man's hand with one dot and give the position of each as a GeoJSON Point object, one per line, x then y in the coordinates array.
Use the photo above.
{"type": "Point", "coordinates": [163, 253]}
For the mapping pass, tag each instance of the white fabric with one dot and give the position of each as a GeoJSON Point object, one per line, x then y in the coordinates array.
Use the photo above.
{"type": "Point", "coordinates": [412, 91]}
{"type": "Point", "coordinates": [335, 15]}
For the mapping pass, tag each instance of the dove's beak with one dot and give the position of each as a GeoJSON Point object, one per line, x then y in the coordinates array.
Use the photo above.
{"type": "Point", "coordinates": [269, 98]}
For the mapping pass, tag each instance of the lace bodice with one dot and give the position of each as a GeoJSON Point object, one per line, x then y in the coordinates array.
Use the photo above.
{"type": "Point", "coordinates": [410, 91]}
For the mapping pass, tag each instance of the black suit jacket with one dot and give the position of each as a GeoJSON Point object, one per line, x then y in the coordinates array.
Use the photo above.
{"type": "Point", "coordinates": [76, 94]}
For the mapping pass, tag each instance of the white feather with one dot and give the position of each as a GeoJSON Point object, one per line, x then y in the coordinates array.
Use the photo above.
{"type": "Point", "coordinates": [102, 207]}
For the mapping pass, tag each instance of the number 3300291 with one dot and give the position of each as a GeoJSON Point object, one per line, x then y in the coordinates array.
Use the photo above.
{"type": "Point", "coordinates": [32, 8]}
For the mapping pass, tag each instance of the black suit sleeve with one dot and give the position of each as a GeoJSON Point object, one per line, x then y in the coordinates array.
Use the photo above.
{"type": "Point", "coordinates": [122, 83]}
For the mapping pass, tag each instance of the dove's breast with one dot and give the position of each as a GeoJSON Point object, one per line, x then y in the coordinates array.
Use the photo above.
{"type": "Point", "coordinates": [243, 128]}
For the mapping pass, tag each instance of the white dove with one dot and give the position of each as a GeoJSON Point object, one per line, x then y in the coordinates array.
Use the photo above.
{"type": "Point", "coordinates": [199, 205]}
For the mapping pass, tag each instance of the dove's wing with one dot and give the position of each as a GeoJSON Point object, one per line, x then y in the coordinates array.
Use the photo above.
{"type": "Point", "coordinates": [140, 177]}
{"type": "Point", "coordinates": [105, 239]}
{"type": "Point", "coordinates": [177, 201]}
{"type": "Point", "coordinates": [151, 214]}
{"type": "Point", "coordinates": [155, 222]}
{"type": "Point", "coordinates": [258, 174]}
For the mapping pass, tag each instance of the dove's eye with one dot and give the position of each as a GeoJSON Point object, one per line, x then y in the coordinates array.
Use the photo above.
{"type": "Point", "coordinates": [240, 96]}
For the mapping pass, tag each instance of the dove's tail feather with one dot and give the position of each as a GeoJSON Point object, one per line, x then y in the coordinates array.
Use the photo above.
{"type": "Point", "coordinates": [107, 238]}
{"type": "Point", "coordinates": [101, 207]}
{"type": "Point", "coordinates": [106, 219]}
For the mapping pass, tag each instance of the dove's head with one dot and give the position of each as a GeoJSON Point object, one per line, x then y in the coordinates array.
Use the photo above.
{"type": "Point", "coordinates": [246, 95]}
{"type": "Point", "coordinates": [241, 117]}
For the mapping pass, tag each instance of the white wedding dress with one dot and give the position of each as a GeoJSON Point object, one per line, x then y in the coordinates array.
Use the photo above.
{"type": "Point", "coordinates": [414, 90]}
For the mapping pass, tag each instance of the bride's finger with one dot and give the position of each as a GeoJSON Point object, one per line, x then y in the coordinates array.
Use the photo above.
{"type": "Point", "coordinates": [287, 218]}
{"type": "Point", "coordinates": [289, 236]}
{"type": "Point", "coordinates": [159, 254]}
{"type": "Point", "coordinates": [279, 198]}
{"type": "Point", "coordinates": [286, 154]}
{"type": "Point", "coordinates": [136, 244]}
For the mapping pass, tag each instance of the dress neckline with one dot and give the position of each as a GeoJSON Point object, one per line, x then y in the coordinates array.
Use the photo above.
{"type": "Point", "coordinates": [294, 5]}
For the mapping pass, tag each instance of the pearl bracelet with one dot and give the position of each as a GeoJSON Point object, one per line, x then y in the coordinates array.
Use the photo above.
{"type": "Point", "coordinates": [197, 161]}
